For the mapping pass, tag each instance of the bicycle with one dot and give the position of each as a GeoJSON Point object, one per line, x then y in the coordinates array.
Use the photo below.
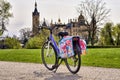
{"type": "Point", "coordinates": [50, 54]}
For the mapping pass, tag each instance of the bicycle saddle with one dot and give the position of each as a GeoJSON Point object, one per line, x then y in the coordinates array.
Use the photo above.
{"type": "Point", "coordinates": [62, 34]}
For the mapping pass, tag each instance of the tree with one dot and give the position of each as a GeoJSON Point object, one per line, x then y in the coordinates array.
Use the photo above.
{"type": "Point", "coordinates": [4, 14]}
{"type": "Point", "coordinates": [25, 33]}
{"type": "Point", "coordinates": [116, 34]}
{"type": "Point", "coordinates": [106, 35]}
{"type": "Point", "coordinates": [102, 37]}
{"type": "Point", "coordinates": [95, 14]}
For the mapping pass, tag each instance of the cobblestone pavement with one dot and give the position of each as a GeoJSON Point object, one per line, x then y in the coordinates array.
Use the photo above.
{"type": "Point", "coordinates": [31, 71]}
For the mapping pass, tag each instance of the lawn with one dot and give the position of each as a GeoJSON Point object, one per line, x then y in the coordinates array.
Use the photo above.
{"type": "Point", "coordinates": [21, 55]}
{"type": "Point", "coordinates": [101, 57]}
{"type": "Point", "coordinates": [109, 57]}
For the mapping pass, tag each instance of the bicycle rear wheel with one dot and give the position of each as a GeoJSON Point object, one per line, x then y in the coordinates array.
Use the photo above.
{"type": "Point", "coordinates": [49, 56]}
{"type": "Point", "coordinates": [73, 63]}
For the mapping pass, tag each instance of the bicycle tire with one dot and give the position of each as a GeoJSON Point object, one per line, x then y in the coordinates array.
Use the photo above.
{"type": "Point", "coordinates": [70, 65]}
{"type": "Point", "coordinates": [48, 63]}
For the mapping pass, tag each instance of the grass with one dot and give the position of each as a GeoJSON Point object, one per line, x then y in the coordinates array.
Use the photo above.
{"type": "Point", "coordinates": [109, 57]}
{"type": "Point", "coordinates": [21, 55]}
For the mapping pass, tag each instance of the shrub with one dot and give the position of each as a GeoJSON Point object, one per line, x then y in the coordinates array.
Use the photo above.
{"type": "Point", "coordinates": [12, 43]}
{"type": "Point", "coordinates": [34, 43]}
{"type": "Point", "coordinates": [37, 41]}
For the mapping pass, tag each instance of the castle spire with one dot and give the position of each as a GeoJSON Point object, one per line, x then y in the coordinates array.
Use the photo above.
{"type": "Point", "coordinates": [35, 4]}
{"type": "Point", "coordinates": [81, 12]}
{"type": "Point", "coordinates": [35, 20]}
{"type": "Point", "coordinates": [35, 10]}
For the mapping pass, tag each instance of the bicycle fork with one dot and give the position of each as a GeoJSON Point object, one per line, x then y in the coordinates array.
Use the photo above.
{"type": "Point", "coordinates": [48, 48]}
{"type": "Point", "coordinates": [58, 59]}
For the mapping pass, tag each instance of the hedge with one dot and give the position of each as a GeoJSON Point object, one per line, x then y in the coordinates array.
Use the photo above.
{"type": "Point", "coordinates": [108, 46]}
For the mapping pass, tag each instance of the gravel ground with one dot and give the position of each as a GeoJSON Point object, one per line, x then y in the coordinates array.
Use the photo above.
{"type": "Point", "coordinates": [31, 71]}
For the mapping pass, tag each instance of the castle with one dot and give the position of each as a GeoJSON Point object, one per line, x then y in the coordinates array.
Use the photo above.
{"type": "Point", "coordinates": [35, 21]}
{"type": "Point", "coordinates": [74, 26]}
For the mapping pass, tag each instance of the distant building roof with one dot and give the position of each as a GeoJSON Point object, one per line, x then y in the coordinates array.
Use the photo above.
{"type": "Point", "coordinates": [81, 20]}
{"type": "Point", "coordinates": [81, 17]}
{"type": "Point", "coordinates": [44, 23]}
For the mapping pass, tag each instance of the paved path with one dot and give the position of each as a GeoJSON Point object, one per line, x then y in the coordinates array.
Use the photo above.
{"type": "Point", "coordinates": [31, 71]}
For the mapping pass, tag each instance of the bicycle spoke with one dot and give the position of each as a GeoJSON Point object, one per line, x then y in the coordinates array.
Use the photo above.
{"type": "Point", "coordinates": [49, 56]}
{"type": "Point", "coordinates": [73, 63]}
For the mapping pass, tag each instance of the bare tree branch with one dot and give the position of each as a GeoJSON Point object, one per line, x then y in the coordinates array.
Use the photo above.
{"type": "Point", "coordinates": [96, 13]}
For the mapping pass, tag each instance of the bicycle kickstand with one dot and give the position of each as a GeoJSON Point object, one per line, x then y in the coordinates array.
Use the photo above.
{"type": "Point", "coordinates": [57, 65]}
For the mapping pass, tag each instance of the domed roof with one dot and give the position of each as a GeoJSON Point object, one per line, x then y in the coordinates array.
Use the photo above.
{"type": "Point", "coordinates": [59, 20]}
{"type": "Point", "coordinates": [81, 17]}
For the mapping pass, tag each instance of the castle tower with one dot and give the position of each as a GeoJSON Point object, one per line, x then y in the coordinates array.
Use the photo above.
{"type": "Point", "coordinates": [35, 21]}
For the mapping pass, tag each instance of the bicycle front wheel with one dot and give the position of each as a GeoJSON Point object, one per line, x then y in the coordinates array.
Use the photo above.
{"type": "Point", "coordinates": [73, 63]}
{"type": "Point", "coordinates": [49, 56]}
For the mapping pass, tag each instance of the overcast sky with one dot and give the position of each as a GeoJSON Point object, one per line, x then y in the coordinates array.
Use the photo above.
{"type": "Point", "coordinates": [51, 9]}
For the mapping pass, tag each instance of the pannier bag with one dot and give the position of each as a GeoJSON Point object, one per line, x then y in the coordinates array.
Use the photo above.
{"type": "Point", "coordinates": [66, 47]}
{"type": "Point", "coordinates": [82, 44]}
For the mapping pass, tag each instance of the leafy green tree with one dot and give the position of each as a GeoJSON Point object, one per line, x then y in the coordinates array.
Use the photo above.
{"type": "Point", "coordinates": [102, 37]}
{"type": "Point", "coordinates": [12, 43]}
{"type": "Point", "coordinates": [5, 14]}
{"type": "Point", "coordinates": [116, 34]}
{"type": "Point", "coordinates": [106, 35]}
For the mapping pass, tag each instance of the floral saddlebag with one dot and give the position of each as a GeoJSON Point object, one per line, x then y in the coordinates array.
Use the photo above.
{"type": "Point", "coordinates": [66, 47]}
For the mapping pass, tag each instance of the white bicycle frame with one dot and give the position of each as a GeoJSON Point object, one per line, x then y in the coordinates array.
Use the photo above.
{"type": "Point", "coordinates": [48, 48]}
